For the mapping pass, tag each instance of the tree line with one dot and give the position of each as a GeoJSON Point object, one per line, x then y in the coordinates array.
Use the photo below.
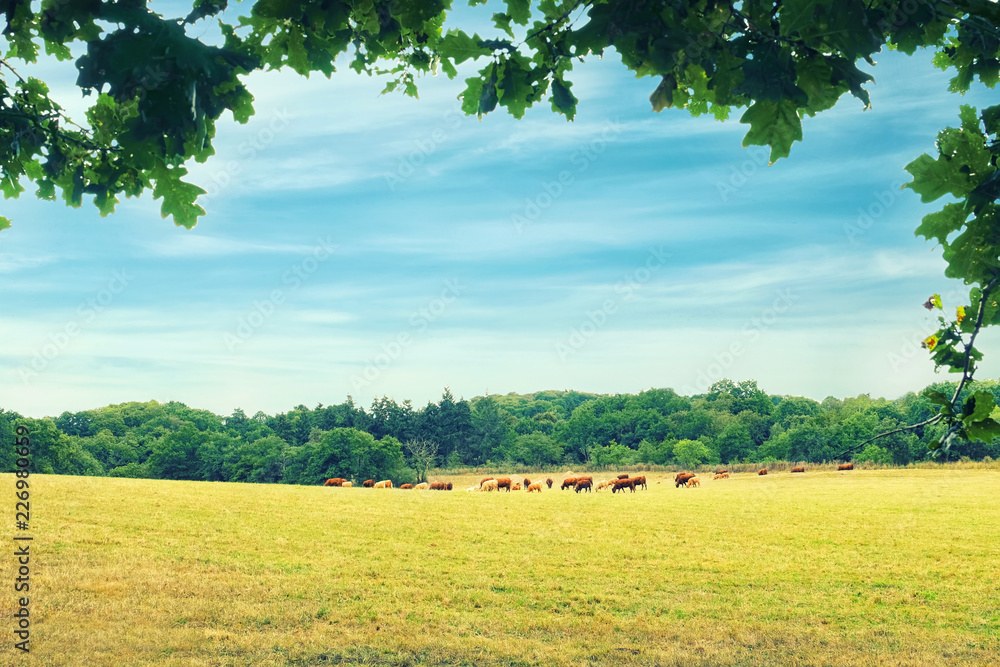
{"type": "Point", "coordinates": [731, 423]}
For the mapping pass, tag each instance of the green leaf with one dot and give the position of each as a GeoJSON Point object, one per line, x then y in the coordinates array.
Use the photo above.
{"type": "Point", "coordinates": [563, 100]}
{"type": "Point", "coordinates": [814, 76]}
{"type": "Point", "coordinates": [932, 179]}
{"type": "Point", "coordinates": [846, 72]}
{"type": "Point", "coordinates": [178, 197]}
{"type": "Point", "coordinates": [943, 223]}
{"type": "Point", "coordinates": [502, 21]}
{"type": "Point", "coordinates": [515, 87]}
{"type": "Point", "coordinates": [471, 95]}
{"type": "Point", "coordinates": [519, 11]}
{"type": "Point", "coordinates": [774, 124]}
{"type": "Point", "coordinates": [488, 98]}
{"type": "Point", "coordinates": [985, 430]}
{"type": "Point", "coordinates": [4, 223]}
{"type": "Point", "coordinates": [991, 119]}
{"type": "Point", "coordinates": [459, 47]}
{"type": "Point", "coordinates": [935, 396]}
{"type": "Point", "coordinates": [978, 407]}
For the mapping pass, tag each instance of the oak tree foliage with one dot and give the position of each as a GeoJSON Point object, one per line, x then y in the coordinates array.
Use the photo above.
{"type": "Point", "coordinates": [158, 92]}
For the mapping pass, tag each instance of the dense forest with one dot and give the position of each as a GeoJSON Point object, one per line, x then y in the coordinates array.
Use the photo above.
{"type": "Point", "coordinates": [731, 423]}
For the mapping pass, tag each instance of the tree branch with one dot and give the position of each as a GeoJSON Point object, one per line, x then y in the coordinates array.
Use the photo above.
{"type": "Point", "coordinates": [967, 374]}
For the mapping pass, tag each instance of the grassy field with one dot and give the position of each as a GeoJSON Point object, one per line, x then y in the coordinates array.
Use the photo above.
{"type": "Point", "coordinates": [894, 567]}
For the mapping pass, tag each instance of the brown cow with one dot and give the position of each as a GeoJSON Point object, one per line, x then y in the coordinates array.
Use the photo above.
{"type": "Point", "coordinates": [503, 483]}
{"type": "Point", "coordinates": [568, 482]}
{"type": "Point", "coordinates": [549, 482]}
{"type": "Point", "coordinates": [640, 481]}
{"type": "Point", "coordinates": [719, 475]}
{"type": "Point", "coordinates": [516, 486]}
{"type": "Point", "coordinates": [537, 486]}
{"type": "Point", "coordinates": [720, 471]}
{"type": "Point", "coordinates": [485, 479]}
{"type": "Point", "coordinates": [798, 469]}
{"type": "Point", "coordinates": [384, 484]}
{"type": "Point", "coordinates": [583, 484]}
{"type": "Point", "coordinates": [368, 483]}
{"type": "Point", "coordinates": [693, 482]}
{"type": "Point", "coordinates": [762, 471]}
{"type": "Point", "coordinates": [526, 483]}
{"type": "Point", "coordinates": [623, 476]}
{"type": "Point", "coordinates": [622, 484]}
{"type": "Point", "coordinates": [845, 466]}
{"type": "Point", "coordinates": [406, 486]}
{"type": "Point", "coordinates": [335, 481]}
{"type": "Point", "coordinates": [450, 486]}
{"type": "Point", "coordinates": [682, 478]}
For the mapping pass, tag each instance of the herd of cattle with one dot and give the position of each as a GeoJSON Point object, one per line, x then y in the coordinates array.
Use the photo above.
{"type": "Point", "coordinates": [572, 481]}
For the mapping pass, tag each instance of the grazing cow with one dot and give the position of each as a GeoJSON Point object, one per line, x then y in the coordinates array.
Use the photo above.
{"type": "Point", "coordinates": [489, 485]}
{"type": "Point", "coordinates": [549, 482]}
{"type": "Point", "coordinates": [439, 486]}
{"type": "Point", "coordinates": [682, 478]}
{"type": "Point", "coordinates": [622, 484]}
{"type": "Point", "coordinates": [516, 486]}
{"type": "Point", "coordinates": [569, 482]}
{"type": "Point", "coordinates": [485, 479]}
{"type": "Point", "coordinates": [623, 476]}
{"type": "Point", "coordinates": [423, 486]}
{"type": "Point", "coordinates": [330, 482]}
{"type": "Point", "coordinates": [601, 485]}
{"type": "Point", "coordinates": [537, 486]}
{"type": "Point", "coordinates": [347, 485]}
{"type": "Point", "coordinates": [718, 475]}
{"type": "Point", "coordinates": [762, 471]}
{"type": "Point", "coordinates": [720, 471]}
{"type": "Point", "coordinates": [384, 484]}
{"type": "Point", "coordinates": [503, 483]}
{"type": "Point", "coordinates": [336, 481]}
{"type": "Point", "coordinates": [450, 486]}
{"type": "Point", "coordinates": [368, 483]}
{"type": "Point", "coordinates": [640, 481]}
{"type": "Point", "coordinates": [845, 466]}
{"type": "Point", "coordinates": [526, 483]}
{"type": "Point", "coordinates": [406, 486]}
{"type": "Point", "coordinates": [798, 469]}
{"type": "Point", "coordinates": [582, 485]}
{"type": "Point", "coordinates": [694, 481]}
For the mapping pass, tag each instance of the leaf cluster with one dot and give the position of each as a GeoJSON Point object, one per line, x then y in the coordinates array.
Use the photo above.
{"type": "Point", "coordinates": [162, 90]}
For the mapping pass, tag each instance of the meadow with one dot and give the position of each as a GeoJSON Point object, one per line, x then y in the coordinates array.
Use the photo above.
{"type": "Point", "coordinates": [871, 567]}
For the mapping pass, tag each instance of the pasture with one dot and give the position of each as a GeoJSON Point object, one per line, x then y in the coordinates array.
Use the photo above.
{"type": "Point", "coordinates": [891, 567]}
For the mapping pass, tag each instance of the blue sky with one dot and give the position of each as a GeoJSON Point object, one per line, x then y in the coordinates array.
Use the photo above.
{"type": "Point", "coordinates": [367, 245]}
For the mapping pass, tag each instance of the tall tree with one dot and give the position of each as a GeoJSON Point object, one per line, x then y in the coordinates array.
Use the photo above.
{"type": "Point", "coordinates": [423, 455]}
{"type": "Point", "coordinates": [492, 430]}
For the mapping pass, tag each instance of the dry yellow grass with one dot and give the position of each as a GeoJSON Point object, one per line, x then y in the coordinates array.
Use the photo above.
{"type": "Point", "coordinates": [894, 567]}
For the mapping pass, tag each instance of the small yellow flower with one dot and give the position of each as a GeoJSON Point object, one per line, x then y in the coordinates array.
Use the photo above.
{"type": "Point", "coordinates": [961, 314]}
{"type": "Point", "coordinates": [930, 342]}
